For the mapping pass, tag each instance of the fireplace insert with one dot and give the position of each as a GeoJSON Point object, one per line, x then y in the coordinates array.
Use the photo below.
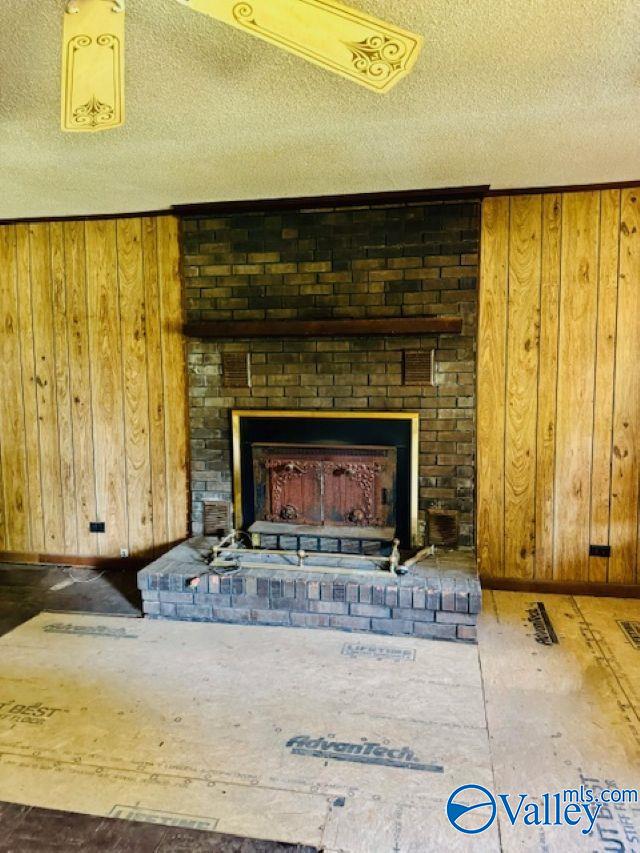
{"type": "Point", "coordinates": [333, 471]}
{"type": "Point", "coordinates": [324, 485]}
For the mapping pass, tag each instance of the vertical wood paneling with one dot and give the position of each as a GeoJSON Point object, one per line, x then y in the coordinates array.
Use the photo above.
{"type": "Point", "coordinates": [106, 384]}
{"type": "Point", "coordinates": [626, 420]}
{"type": "Point", "coordinates": [63, 389]}
{"type": "Point", "coordinates": [604, 378]}
{"type": "Point", "coordinates": [3, 524]}
{"type": "Point", "coordinates": [93, 377]}
{"type": "Point", "coordinates": [491, 384]}
{"type": "Point", "coordinates": [136, 397]}
{"type": "Point", "coordinates": [492, 335]}
{"type": "Point", "coordinates": [586, 485]}
{"type": "Point", "coordinates": [547, 383]}
{"type": "Point", "coordinates": [45, 380]}
{"type": "Point", "coordinates": [155, 374]}
{"type": "Point", "coordinates": [576, 367]}
{"type": "Point", "coordinates": [29, 402]}
{"type": "Point", "coordinates": [80, 385]}
{"type": "Point", "coordinates": [175, 379]}
{"type": "Point", "coordinates": [522, 372]}
{"type": "Point", "coordinates": [14, 495]}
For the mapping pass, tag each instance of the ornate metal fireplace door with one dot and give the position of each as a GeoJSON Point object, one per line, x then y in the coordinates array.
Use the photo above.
{"type": "Point", "coordinates": [323, 485]}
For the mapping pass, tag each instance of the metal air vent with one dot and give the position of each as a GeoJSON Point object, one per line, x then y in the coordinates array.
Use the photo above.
{"type": "Point", "coordinates": [216, 517]}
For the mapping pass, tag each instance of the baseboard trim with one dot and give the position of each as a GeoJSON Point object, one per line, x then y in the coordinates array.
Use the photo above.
{"type": "Point", "coordinates": [30, 558]}
{"type": "Point", "coordinates": [605, 590]}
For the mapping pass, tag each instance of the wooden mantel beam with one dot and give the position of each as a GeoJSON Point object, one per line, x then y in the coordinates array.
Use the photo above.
{"type": "Point", "coordinates": [428, 325]}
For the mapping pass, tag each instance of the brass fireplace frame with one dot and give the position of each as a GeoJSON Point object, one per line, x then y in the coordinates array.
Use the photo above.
{"type": "Point", "coordinates": [412, 417]}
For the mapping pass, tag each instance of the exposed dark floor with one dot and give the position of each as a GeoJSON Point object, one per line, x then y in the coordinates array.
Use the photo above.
{"type": "Point", "coordinates": [26, 591]}
{"type": "Point", "coordinates": [25, 830]}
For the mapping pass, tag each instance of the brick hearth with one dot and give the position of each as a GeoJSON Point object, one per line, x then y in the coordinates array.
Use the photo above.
{"type": "Point", "coordinates": [439, 599]}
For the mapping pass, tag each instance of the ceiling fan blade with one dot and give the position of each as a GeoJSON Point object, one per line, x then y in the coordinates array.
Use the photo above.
{"type": "Point", "coordinates": [326, 32]}
{"type": "Point", "coordinates": [93, 65]}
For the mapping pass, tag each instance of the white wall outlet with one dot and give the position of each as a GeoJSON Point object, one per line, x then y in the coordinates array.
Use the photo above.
{"type": "Point", "coordinates": [124, 552]}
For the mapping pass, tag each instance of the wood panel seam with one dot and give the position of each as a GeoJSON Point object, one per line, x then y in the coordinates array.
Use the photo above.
{"type": "Point", "coordinates": [26, 489]}
{"type": "Point", "coordinates": [123, 392]}
{"type": "Point", "coordinates": [90, 363]}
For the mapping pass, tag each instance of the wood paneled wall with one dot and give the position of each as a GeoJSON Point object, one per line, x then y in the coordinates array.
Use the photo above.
{"type": "Point", "coordinates": [92, 371]}
{"type": "Point", "coordinates": [559, 386]}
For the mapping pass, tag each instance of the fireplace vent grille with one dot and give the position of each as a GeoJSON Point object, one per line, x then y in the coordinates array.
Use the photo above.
{"type": "Point", "coordinates": [216, 518]}
{"type": "Point", "coordinates": [443, 527]}
{"type": "Point", "coordinates": [236, 370]}
{"type": "Point", "coordinates": [419, 367]}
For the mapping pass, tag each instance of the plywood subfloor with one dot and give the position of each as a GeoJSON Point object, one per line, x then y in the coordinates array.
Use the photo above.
{"type": "Point", "coordinates": [126, 718]}
{"type": "Point", "coordinates": [566, 714]}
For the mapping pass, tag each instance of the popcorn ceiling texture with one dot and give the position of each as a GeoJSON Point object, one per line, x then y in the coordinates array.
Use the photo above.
{"type": "Point", "coordinates": [397, 261]}
{"type": "Point", "coordinates": [506, 92]}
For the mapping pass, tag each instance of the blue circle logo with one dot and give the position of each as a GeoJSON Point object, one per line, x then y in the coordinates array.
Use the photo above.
{"type": "Point", "coordinates": [471, 809]}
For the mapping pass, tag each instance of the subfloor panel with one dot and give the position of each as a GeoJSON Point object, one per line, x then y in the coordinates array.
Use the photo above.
{"type": "Point", "coordinates": [563, 713]}
{"type": "Point", "coordinates": [112, 717]}
{"type": "Point", "coordinates": [347, 743]}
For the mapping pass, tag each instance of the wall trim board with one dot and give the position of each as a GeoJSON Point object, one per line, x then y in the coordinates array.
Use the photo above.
{"type": "Point", "coordinates": [324, 202]}
{"type": "Point", "coordinates": [417, 196]}
{"type": "Point", "coordinates": [607, 590]}
{"type": "Point", "coordinates": [321, 202]}
{"type": "Point", "coordinates": [563, 188]}
{"type": "Point", "coordinates": [30, 558]}
{"type": "Point", "coordinates": [90, 217]}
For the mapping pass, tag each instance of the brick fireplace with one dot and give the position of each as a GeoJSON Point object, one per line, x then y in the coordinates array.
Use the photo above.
{"type": "Point", "coordinates": [399, 261]}
{"type": "Point", "coordinates": [343, 415]}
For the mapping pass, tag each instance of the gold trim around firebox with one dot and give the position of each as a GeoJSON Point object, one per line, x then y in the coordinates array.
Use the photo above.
{"type": "Point", "coordinates": [414, 417]}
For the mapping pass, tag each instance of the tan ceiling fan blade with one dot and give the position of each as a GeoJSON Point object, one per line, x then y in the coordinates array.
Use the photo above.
{"type": "Point", "coordinates": [93, 65]}
{"type": "Point", "coordinates": [336, 37]}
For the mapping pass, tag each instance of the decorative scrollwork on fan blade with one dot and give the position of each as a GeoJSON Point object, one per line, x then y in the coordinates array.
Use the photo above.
{"type": "Point", "coordinates": [79, 42]}
{"type": "Point", "coordinates": [244, 14]}
{"type": "Point", "coordinates": [96, 112]}
{"type": "Point", "coordinates": [93, 65]}
{"type": "Point", "coordinates": [93, 113]}
{"type": "Point", "coordinates": [328, 33]}
{"type": "Point", "coordinates": [378, 57]}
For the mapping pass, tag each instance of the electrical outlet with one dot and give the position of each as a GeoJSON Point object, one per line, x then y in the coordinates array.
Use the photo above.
{"type": "Point", "coordinates": [124, 553]}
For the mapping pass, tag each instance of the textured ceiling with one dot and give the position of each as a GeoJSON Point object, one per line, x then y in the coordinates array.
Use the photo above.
{"type": "Point", "coordinates": [506, 92]}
